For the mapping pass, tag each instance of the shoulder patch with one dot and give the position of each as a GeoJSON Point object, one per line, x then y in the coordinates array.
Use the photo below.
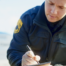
{"type": "Point", "coordinates": [19, 25]}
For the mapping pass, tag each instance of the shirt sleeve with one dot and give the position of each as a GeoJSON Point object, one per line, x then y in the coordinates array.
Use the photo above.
{"type": "Point", "coordinates": [20, 40]}
{"type": "Point", "coordinates": [21, 37]}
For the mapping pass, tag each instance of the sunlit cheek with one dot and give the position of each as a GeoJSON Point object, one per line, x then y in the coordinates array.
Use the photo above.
{"type": "Point", "coordinates": [48, 10]}
{"type": "Point", "coordinates": [61, 14]}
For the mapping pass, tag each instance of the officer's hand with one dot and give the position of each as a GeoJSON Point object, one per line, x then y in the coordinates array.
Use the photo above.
{"type": "Point", "coordinates": [29, 58]}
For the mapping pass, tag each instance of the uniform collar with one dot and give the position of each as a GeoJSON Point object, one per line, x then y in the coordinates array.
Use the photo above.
{"type": "Point", "coordinates": [40, 18]}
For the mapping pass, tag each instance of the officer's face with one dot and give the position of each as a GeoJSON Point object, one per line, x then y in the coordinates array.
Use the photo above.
{"type": "Point", "coordinates": [55, 9]}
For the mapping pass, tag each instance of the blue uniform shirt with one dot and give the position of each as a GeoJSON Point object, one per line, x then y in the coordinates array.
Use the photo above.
{"type": "Point", "coordinates": [32, 30]}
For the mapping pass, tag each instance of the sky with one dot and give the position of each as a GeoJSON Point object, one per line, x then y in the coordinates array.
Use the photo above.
{"type": "Point", "coordinates": [11, 10]}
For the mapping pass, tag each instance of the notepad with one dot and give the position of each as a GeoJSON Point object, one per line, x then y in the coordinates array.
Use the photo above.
{"type": "Point", "coordinates": [42, 64]}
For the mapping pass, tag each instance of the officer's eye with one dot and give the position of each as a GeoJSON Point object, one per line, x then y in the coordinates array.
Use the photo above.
{"type": "Point", "coordinates": [51, 3]}
{"type": "Point", "coordinates": [61, 7]}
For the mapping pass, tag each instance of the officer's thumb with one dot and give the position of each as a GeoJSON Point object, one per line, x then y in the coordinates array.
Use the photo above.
{"type": "Point", "coordinates": [37, 58]}
{"type": "Point", "coordinates": [30, 54]}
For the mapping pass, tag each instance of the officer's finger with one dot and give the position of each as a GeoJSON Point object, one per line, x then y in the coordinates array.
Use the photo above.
{"type": "Point", "coordinates": [29, 63]}
{"type": "Point", "coordinates": [37, 58]}
{"type": "Point", "coordinates": [31, 60]}
{"type": "Point", "coordinates": [26, 60]}
{"type": "Point", "coordinates": [30, 54]}
{"type": "Point", "coordinates": [25, 57]}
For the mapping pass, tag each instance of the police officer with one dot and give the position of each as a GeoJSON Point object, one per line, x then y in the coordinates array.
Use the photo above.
{"type": "Point", "coordinates": [43, 28]}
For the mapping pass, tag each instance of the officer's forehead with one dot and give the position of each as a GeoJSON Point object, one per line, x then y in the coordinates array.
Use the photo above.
{"type": "Point", "coordinates": [58, 2]}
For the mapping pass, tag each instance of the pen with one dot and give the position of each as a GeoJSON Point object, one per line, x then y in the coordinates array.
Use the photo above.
{"type": "Point", "coordinates": [29, 48]}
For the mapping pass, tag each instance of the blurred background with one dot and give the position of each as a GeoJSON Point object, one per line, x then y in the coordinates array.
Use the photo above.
{"type": "Point", "coordinates": [10, 12]}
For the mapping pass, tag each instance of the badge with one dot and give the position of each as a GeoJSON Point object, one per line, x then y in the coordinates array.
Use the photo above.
{"type": "Point", "coordinates": [19, 25]}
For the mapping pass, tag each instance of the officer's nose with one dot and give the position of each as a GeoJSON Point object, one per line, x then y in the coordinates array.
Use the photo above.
{"type": "Point", "coordinates": [54, 10]}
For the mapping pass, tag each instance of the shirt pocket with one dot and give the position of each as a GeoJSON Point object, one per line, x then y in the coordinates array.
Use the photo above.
{"type": "Point", "coordinates": [39, 41]}
{"type": "Point", "coordinates": [60, 55]}
{"type": "Point", "coordinates": [42, 39]}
